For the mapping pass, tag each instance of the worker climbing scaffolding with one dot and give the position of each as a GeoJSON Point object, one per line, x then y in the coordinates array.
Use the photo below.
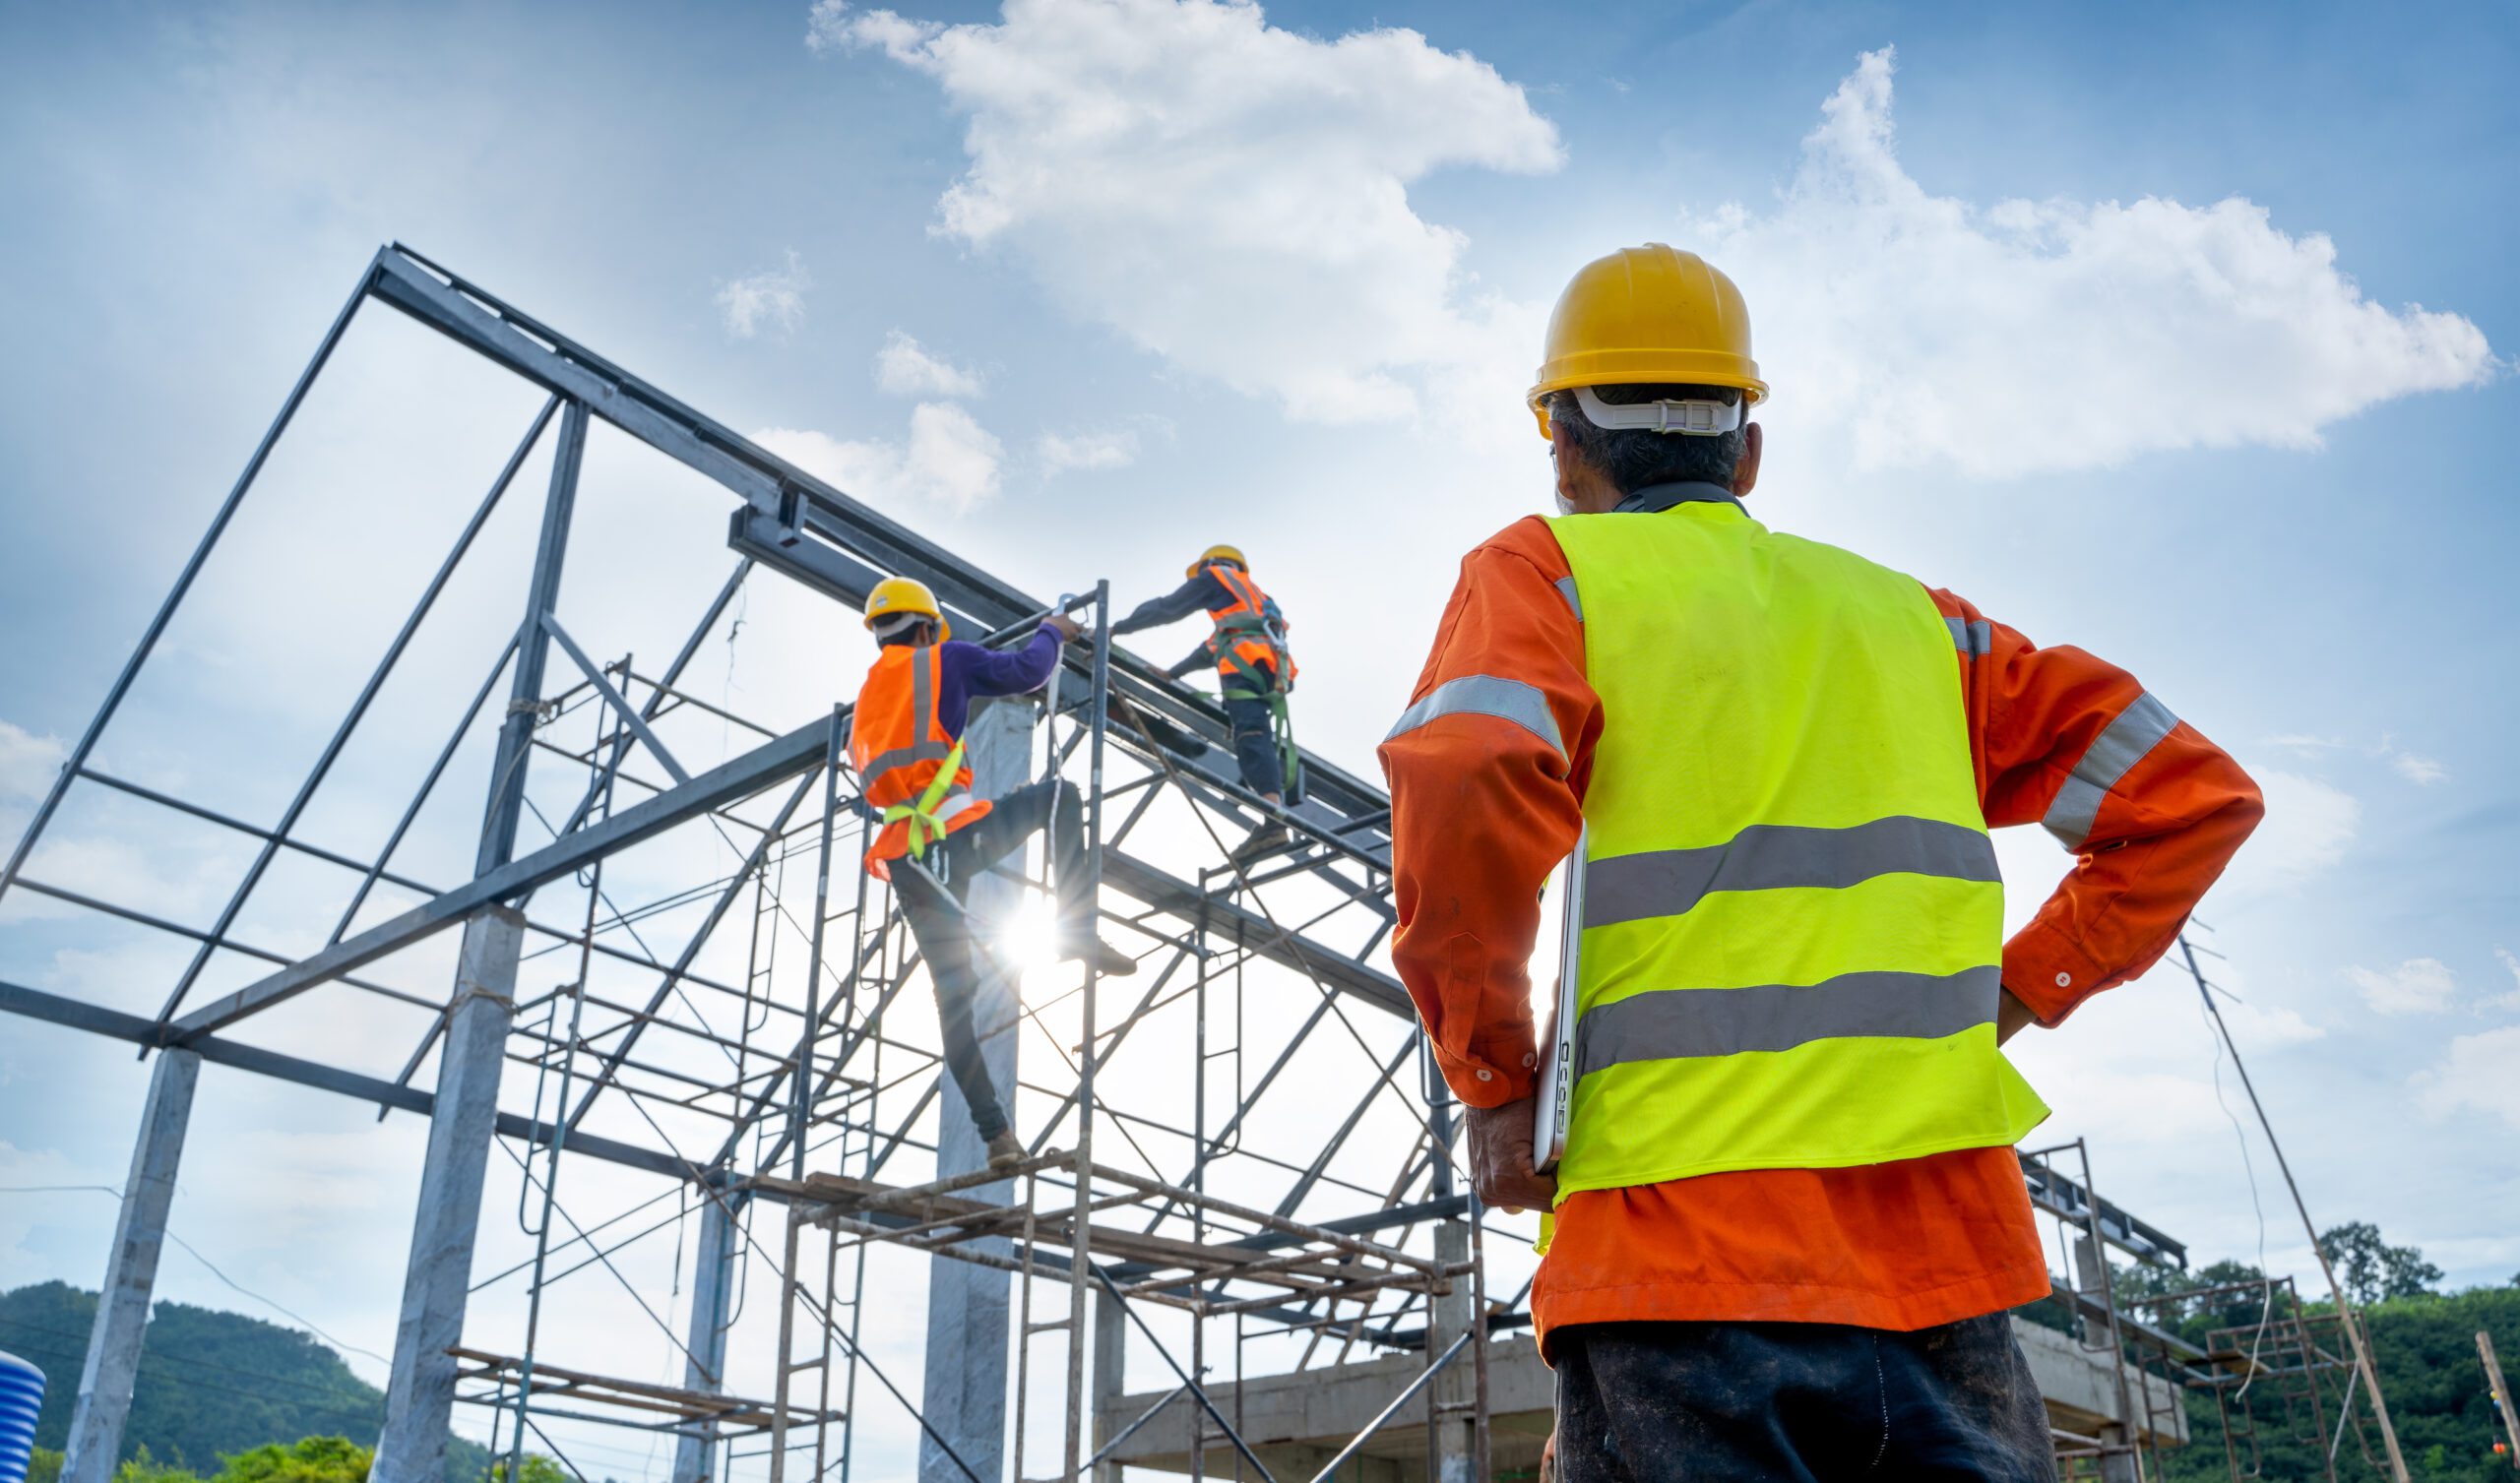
{"type": "Point", "coordinates": [1255, 673]}
{"type": "Point", "coordinates": [906, 740]}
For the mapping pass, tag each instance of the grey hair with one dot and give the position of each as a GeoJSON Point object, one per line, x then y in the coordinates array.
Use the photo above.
{"type": "Point", "coordinates": [1637, 459]}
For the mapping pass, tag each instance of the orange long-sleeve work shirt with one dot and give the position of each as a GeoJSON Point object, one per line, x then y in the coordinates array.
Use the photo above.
{"type": "Point", "coordinates": [1484, 809]}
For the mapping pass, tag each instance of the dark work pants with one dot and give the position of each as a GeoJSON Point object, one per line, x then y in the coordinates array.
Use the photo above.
{"type": "Point", "coordinates": [944, 933]}
{"type": "Point", "coordinates": [1255, 744]}
{"type": "Point", "coordinates": [1648, 1402]}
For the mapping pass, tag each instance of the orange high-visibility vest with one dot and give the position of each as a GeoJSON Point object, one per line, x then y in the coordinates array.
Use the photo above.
{"type": "Point", "coordinates": [902, 756]}
{"type": "Point", "coordinates": [1243, 642]}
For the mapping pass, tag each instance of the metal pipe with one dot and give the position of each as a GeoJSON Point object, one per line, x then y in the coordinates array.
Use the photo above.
{"type": "Point", "coordinates": [149, 637]}
{"type": "Point", "coordinates": [1389, 1411]}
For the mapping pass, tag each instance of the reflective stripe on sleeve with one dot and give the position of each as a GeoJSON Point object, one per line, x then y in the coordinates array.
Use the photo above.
{"type": "Point", "coordinates": [1972, 638]}
{"type": "Point", "coordinates": [1672, 1023]}
{"type": "Point", "coordinates": [2126, 740]}
{"type": "Point", "coordinates": [1766, 856]}
{"type": "Point", "coordinates": [1484, 695]}
{"type": "Point", "coordinates": [1574, 604]}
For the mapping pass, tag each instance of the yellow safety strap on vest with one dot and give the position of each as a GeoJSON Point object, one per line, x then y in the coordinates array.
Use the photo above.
{"type": "Point", "coordinates": [924, 826]}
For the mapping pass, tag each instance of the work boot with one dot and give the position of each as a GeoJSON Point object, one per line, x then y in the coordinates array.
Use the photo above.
{"type": "Point", "coordinates": [1107, 960]}
{"type": "Point", "coordinates": [1005, 1150]}
{"type": "Point", "coordinates": [1267, 835]}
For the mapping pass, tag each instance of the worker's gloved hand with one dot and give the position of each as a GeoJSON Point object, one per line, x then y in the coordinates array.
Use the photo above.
{"type": "Point", "coordinates": [1500, 1159]}
{"type": "Point", "coordinates": [1067, 628]}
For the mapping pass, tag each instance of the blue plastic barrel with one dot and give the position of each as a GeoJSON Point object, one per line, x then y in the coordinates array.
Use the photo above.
{"type": "Point", "coordinates": [20, 1396]}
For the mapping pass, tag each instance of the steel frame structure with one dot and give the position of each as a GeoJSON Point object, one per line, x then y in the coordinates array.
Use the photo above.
{"type": "Point", "coordinates": [811, 1073]}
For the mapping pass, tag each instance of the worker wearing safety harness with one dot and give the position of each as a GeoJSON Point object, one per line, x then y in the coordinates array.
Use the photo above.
{"type": "Point", "coordinates": [1254, 673]}
{"type": "Point", "coordinates": [1787, 1215]}
{"type": "Point", "coordinates": [906, 741]}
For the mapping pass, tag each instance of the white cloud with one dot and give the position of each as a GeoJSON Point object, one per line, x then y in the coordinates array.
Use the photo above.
{"type": "Point", "coordinates": [2422, 771]}
{"type": "Point", "coordinates": [28, 763]}
{"type": "Point", "coordinates": [948, 459]}
{"type": "Point", "coordinates": [2417, 986]}
{"type": "Point", "coordinates": [2511, 966]}
{"type": "Point", "coordinates": [2475, 1076]}
{"type": "Point", "coordinates": [1108, 448]}
{"type": "Point", "coordinates": [907, 368]}
{"type": "Point", "coordinates": [1227, 195]}
{"type": "Point", "coordinates": [774, 297]}
{"type": "Point", "coordinates": [2037, 336]}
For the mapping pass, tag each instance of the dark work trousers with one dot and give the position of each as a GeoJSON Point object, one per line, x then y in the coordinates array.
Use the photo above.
{"type": "Point", "coordinates": [944, 933]}
{"type": "Point", "coordinates": [1656, 1402]}
{"type": "Point", "coordinates": [1255, 744]}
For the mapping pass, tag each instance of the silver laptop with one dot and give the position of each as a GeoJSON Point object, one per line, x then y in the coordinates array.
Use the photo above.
{"type": "Point", "coordinates": [1556, 1099]}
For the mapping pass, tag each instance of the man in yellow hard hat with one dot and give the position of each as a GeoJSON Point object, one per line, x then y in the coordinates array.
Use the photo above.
{"type": "Point", "coordinates": [906, 741]}
{"type": "Point", "coordinates": [1255, 670]}
{"type": "Point", "coordinates": [1786, 1218]}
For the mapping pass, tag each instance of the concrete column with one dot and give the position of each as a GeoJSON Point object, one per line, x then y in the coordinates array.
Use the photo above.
{"type": "Point", "coordinates": [131, 1271]}
{"type": "Point", "coordinates": [1111, 1377]}
{"type": "Point", "coordinates": [1452, 1435]}
{"type": "Point", "coordinates": [419, 1393]}
{"type": "Point", "coordinates": [2117, 1466]}
{"type": "Point", "coordinates": [713, 1273]}
{"type": "Point", "coordinates": [964, 1396]}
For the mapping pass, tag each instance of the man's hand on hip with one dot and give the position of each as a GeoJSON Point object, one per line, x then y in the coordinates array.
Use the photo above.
{"type": "Point", "coordinates": [1500, 1158]}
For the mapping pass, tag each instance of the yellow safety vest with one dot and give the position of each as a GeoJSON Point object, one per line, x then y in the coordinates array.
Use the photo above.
{"type": "Point", "coordinates": [1792, 923]}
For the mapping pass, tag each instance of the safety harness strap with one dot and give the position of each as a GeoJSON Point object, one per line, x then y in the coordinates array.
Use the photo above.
{"type": "Point", "coordinates": [927, 822]}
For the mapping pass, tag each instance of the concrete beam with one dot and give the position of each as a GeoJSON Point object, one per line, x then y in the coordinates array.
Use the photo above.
{"type": "Point", "coordinates": [419, 1393]}
{"type": "Point", "coordinates": [1290, 1418]}
{"type": "Point", "coordinates": [97, 1418]}
{"type": "Point", "coordinates": [964, 1395]}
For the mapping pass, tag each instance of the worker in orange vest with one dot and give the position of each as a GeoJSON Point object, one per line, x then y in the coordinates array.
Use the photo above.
{"type": "Point", "coordinates": [1255, 670]}
{"type": "Point", "coordinates": [906, 741]}
{"type": "Point", "coordinates": [1785, 1216]}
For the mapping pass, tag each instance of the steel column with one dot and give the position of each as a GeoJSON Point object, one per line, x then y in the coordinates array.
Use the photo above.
{"type": "Point", "coordinates": [419, 1393]}
{"type": "Point", "coordinates": [94, 1446]}
{"type": "Point", "coordinates": [712, 1271]}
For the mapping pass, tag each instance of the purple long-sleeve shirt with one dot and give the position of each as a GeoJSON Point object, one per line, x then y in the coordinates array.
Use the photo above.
{"type": "Point", "coordinates": [967, 671]}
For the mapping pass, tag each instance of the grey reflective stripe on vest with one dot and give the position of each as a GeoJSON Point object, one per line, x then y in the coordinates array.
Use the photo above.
{"type": "Point", "coordinates": [1970, 638]}
{"type": "Point", "coordinates": [1673, 1024]}
{"type": "Point", "coordinates": [2137, 730]}
{"type": "Point", "coordinates": [903, 757]}
{"type": "Point", "coordinates": [1766, 856]}
{"type": "Point", "coordinates": [1574, 604]}
{"type": "Point", "coordinates": [1484, 695]}
{"type": "Point", "coordinates": [921, 700]}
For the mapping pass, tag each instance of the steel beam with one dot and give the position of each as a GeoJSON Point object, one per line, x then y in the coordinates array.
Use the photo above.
{"type": "Point", "coordinates": [94, 1446]}
{"type": "Point", "coordinates": [766, 765]}
{"type": "Point", "coordinates": [139, 1029]}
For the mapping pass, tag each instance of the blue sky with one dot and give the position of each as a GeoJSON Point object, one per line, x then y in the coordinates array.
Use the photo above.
{"type": "Point", "coordinates": [2106, 319]}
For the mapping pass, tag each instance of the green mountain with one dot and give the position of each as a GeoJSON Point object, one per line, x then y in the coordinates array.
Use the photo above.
{"type": "Point", "coordinates": [211, 1384]}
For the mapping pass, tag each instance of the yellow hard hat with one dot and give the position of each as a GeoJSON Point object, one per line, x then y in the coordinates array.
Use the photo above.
{"type": "Point", "coordinates": [1647, 315]}
{"type": "Point", "coordinates": [894, 595]}
{"type": "Point", "coordinates": [1217, 553]}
